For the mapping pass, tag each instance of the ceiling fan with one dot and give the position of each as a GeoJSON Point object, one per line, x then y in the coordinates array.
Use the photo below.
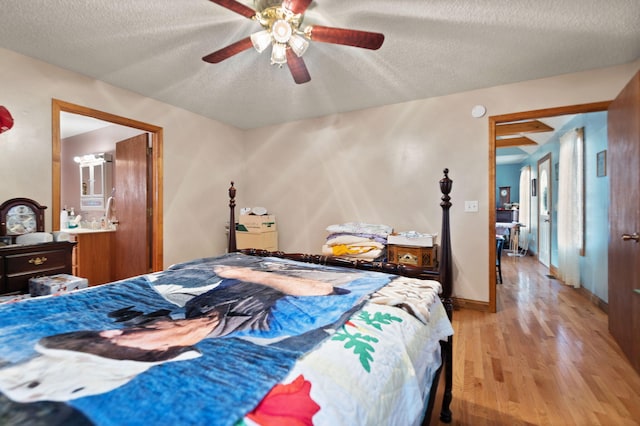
{"type": "Point", "coordinates": [282, 23]}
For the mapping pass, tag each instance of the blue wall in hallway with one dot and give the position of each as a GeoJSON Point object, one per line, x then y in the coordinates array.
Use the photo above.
{"type": "Point", "coordinates": [594, 265]}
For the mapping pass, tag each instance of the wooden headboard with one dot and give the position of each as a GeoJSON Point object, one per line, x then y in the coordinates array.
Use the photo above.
{"type": "Point", "coordinates": [443, 274]}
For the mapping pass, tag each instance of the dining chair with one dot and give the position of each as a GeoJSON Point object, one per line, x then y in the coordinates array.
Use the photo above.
{"type": "Point", "coordinates": [499, 247]}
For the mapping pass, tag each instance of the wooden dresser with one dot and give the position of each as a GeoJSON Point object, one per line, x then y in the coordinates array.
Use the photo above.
{"type": "Point", "coordinates": [19, 263]}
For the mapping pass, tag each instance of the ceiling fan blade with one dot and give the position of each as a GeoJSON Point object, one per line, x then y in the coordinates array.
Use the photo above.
{"type": "Point", "coordinates": [229, 51]}
{"type": "Point", "coordinates": [237, 7]}
{"type": "Point", "coordinates": [347, 37]}
{"type": "Point", "coordinates": [296, 6]}
{"type": "Point", "coordinates": [297, 67]}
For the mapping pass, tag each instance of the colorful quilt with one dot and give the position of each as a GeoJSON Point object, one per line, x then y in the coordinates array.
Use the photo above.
{"type": "Point", "coordinates": [376, 369]}
{"type": "Point", "coordinates": [200, 343]}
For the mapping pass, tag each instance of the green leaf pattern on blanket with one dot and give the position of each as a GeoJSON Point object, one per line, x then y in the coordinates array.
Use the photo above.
{"type": "Point", "coordinates": [362, 343]}
{"type": "Point", "coordinates": [378, 320]}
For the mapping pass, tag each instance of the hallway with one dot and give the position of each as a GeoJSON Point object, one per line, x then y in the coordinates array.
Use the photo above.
{"type": "Point", "coordinates": [545, 358]}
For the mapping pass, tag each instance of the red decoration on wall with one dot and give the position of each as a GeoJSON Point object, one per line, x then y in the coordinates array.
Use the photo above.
{"type": "Point", "coordinates": [6, 121]}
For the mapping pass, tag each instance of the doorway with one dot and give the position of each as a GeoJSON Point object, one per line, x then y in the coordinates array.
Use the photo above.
{"type": "Point", "coordinates": [494, 121]}
{"type": "Point", "coordinates": [156, 173]}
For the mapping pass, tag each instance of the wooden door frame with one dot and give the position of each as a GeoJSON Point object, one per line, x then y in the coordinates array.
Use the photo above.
{"type": "Point", "coordinates": [541, 160]}
{"type": "Point", "coordinates": [58, 106]}
{"type": "Point", "coordinates": [506, 118]}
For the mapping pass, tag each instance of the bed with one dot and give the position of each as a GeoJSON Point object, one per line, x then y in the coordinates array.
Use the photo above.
{"type": "Point", "coordinates": [246, 338]}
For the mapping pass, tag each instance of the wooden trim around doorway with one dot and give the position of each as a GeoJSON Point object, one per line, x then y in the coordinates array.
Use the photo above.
{"type": "Point", "coordinates": [58, 106]}
{"type": "Point", "coordinates": [507, 118]}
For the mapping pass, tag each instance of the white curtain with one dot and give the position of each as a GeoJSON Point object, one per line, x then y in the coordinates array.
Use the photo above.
{"type": "Point", "coordinates": [571, 206]}
{"type": "Point", "coordinates": [524, 215]}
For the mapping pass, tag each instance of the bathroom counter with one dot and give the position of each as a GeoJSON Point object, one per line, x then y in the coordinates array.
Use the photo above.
{"type": "Point", "coordinates": [85, 230]}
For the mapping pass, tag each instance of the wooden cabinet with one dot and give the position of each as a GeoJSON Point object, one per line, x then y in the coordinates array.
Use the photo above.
{"type": "Point", "coordinates": [19, 263]}
{"type": "Point", "coordinates": [426, 257]}
{"type": "Point", "coordinates": [506, 215]}
{"type": "Point", "coordinates": [92, 257]}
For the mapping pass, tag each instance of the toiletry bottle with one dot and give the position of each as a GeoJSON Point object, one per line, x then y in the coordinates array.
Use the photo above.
{"type": "Point", "coordinates": [71, 219]}
{"type": "Point", "coordinates": [64, 218]}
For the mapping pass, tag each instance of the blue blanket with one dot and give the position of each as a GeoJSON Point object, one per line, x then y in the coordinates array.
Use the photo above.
{"type": "Point", "coordinates": [260, 331]}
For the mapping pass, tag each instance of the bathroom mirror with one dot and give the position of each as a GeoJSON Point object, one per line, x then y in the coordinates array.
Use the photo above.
{"type": "Point", "coordinates": [95, 179]}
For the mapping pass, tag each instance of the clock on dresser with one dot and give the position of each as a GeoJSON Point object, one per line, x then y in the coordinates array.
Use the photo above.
{"type": "Point", "coordinates": [21, 216]}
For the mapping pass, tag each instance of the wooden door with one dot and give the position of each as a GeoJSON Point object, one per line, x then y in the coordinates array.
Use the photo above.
{"type": "Point", "coordinates": [623, 167]}
{"type": "Point", "coordinates": [544, 210]}
{"type": "Point", "coordinates": [132, 253]}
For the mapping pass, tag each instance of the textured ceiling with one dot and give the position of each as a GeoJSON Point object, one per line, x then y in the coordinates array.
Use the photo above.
{"type": "Point", "coordinates": [432, 48]}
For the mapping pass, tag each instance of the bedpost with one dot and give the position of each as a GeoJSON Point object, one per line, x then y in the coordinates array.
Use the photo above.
{"type": "Point", "coordinates": [232, 220]}
{"type": "Point", "coordinates": [445, 242]}
{"type": "Point", "coordinates": [446, 279]}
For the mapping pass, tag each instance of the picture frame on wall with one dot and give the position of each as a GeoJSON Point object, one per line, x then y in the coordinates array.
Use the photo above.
{"type": "Point", "coordinates": [601, 163]}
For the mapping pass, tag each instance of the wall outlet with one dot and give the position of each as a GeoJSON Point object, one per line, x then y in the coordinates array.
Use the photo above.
{"type": "Point", "coordinates": [471, 206]}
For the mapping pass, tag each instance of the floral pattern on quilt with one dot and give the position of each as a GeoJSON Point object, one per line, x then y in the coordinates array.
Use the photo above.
{"type": "Point", "coordinates": [286, 405]}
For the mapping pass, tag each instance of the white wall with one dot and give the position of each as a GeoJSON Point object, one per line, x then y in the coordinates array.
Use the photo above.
{"type": "Point", "coordinates": [201, 156]}
{"type": "Point", "coordinates": [382, 165]}
{"type": "Point", "coordinates": [379, 165]}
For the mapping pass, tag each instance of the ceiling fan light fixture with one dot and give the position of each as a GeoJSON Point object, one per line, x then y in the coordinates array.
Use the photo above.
{"type": "Point", "coordinates": [281, 31]}
{"type": "Point", "coordinates": [279, 53]}
{"type": "Point", "coordinates": [261, 40]}
{"type": "Point", "coordinates": [281, 21]}
{"type": "Point", "coordinates": [298, 44]}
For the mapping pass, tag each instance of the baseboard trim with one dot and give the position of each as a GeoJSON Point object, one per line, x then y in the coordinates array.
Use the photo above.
{"type": "Point", "coordinates": [595, 300]}
{"type": "Point", "coordinates": [470, 304]}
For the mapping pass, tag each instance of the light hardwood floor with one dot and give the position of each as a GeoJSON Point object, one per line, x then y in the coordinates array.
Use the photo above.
{"type": "Point", "coordinates": [545, 358]}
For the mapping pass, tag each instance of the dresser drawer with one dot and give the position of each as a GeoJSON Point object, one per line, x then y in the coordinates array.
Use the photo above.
{"type": "Point", "coordinates": [35, 261]}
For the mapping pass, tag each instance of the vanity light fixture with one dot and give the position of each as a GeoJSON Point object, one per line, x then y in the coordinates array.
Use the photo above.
{"type": "Point", "coordinates": [98, 158]}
